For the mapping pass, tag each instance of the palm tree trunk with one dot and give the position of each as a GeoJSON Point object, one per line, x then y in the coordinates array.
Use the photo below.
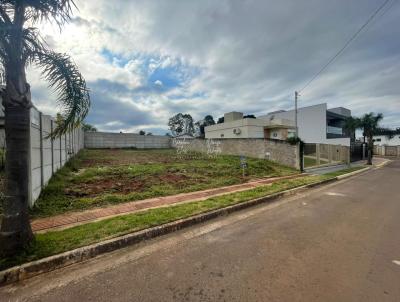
{"type": "Point", "coordinates": [370, 150]}
{"type": "Point", "coordinates": [15, 227]}
{"type": "Point", "coordinates": [15, 231]}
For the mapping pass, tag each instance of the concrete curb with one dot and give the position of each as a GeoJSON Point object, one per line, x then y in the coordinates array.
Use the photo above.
{"type": "Point", "coordinates": [347, 175]}
{"type": "Point", "coordinates": [383, 164]}
{"type": "Point", "coordinates": [34, 268]}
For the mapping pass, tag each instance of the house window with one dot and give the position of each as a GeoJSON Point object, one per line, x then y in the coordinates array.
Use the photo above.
{"type": "Point", "coordinates": [378, 140]}
{"type": "Point", "coordinates": [222, 135]}
{"type": "Point", "coordinates": [275, 134]}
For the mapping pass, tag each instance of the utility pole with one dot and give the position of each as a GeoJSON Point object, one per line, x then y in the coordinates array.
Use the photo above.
{"type": "Point", "coordinates": [296, 95]}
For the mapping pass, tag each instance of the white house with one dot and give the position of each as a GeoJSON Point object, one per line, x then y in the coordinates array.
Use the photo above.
{"type": "Point", "coordinates": [384, 140]}
{"type": "Point", "coordinates": [235, 126]}
{"type": "Point", "coordinates": [317, 124]}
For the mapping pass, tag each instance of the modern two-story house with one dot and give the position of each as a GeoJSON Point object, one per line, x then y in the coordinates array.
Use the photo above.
{"type": "Point", "coordinates": [317, 124]}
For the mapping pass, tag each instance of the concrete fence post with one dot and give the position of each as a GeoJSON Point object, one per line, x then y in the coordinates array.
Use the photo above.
{"type": "Point", "coordinates": [317, 154]}
{"type": "Point", "coordinates": [330, 153]}
{"type": "Point", "coordinates": [41, 149]}
{"type": "Point", "coordinates": [52, 147]}
{"type": "Point", "coordinates": [30, 199]}
{"type": "Point", "coordinates": [73, 141]}
{"type": "Point", "coordinates": [65, 149]}
{"type": "Point", "coordinates": [60, 152]}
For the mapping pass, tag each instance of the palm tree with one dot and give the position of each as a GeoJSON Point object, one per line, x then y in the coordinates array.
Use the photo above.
{"type": "Point", "coordinates": [20, 46]}
{"type": "Point", "coordinates": [369, 123]}
{"type": "Point", "coordinates": [351, 124]}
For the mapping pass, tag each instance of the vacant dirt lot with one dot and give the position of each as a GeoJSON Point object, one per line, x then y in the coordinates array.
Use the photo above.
{"type": "Point", "coordinates": [100, 177]}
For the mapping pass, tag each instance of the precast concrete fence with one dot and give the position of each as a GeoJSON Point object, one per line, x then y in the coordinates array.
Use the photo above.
{"type": "Point", "coordinates": [387, 150]}
{"type": "Point", "coordinates": [47, 155]}
{"type": "Point", "coordinates": [275, 150]}
{"type": "Point", "coordinates": [107, 140]}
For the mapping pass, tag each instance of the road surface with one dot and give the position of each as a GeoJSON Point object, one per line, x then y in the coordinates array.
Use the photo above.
{"type": "Point", "coordinates": [340, 242]}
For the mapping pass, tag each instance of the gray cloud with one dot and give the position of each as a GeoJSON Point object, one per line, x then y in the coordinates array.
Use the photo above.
{"type": "Point", "coordinates": [109, 112]}
{"type": "Point", "coordinates": [252, 54]}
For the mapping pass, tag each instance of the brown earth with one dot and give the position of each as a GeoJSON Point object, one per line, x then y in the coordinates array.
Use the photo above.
{"type": "Point", "coordinates": [123, 185]}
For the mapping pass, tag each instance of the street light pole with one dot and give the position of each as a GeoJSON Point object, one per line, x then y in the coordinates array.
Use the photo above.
{"type": "Point", "coordinates": [296, 95]}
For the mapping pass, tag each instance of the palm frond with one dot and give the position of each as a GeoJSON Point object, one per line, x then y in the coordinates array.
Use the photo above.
{"type": "Point", "coordinates": [59, 11]}
{"type": "Point", "coordinates": [4, 14]}
{"type": "Point", "coordinates": [2, 74]}
{"type": "Point", "coordinates": [3, 58]}
{"type": "Point", "coordinates": [32, 44]}
{"type": "Point", "coordinates": [73, 95]}
{"type": "Point", "coordinates": [5, 27]}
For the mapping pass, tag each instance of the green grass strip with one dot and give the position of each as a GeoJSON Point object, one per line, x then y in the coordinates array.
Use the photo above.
{"type": "Point", "coordinates": [55, 242]}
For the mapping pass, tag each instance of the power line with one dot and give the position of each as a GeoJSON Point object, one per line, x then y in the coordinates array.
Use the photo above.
{"type": "Point", "coordinates": [353, 37]}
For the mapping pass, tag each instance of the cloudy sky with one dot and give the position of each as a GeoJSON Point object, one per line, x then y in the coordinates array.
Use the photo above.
{"type": "Point", "coordinates": [147, 60]}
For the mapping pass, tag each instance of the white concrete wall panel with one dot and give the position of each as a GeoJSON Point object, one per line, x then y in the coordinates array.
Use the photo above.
{"type": "Point", "coordinates": [45, 153]}
{"type": "Point", "coordinates": [104, 140]}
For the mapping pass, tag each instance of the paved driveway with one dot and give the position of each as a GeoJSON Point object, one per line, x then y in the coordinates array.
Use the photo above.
{"type": "Point", "coordinates": [336, 243]}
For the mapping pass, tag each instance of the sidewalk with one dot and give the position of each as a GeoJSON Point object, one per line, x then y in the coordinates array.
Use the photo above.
{"type": "Point", "coordinates": [75, 218]}
{"type": "Point", "coordinates": [376, 161]}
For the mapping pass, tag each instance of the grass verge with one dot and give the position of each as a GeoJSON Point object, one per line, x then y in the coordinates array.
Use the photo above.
{"type": "Point", "coordinates": [128, 175]}
{"type": "Point", "coordinates": [56, 242]}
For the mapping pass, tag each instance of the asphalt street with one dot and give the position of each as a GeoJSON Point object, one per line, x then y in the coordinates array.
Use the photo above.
{"type": "Point", "coordinates": [339, 242]}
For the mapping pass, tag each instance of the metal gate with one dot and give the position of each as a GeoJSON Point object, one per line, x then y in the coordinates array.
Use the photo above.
{"type": "Point", "coordinates": [356, 151]}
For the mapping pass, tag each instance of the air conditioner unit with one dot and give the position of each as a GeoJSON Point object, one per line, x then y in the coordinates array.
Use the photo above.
{"type": "Point", "coordinates": [237, 131]}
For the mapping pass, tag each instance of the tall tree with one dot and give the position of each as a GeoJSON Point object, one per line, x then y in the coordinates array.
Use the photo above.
{"type": "Point", "coordinates": [20, 46]}
{"type": "Point", "coordinates": [181, 124]}
{"type": "Point", "coordinates": [88, 127]}
{"type": "Point", "coordinates": [207, 121]}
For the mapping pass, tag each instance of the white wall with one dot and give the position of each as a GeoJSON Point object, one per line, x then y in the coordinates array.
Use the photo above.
{"type": "Point", "coordinates": [100, 140]}
{"type": "Point", "coordinates": [311, 122]}
{"type": "Point", "coordinates": [47, 156]}
{"type": "Point", "coordinates": [384, 140]}
{"type": "Point", "coordinates": [249, 128]}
